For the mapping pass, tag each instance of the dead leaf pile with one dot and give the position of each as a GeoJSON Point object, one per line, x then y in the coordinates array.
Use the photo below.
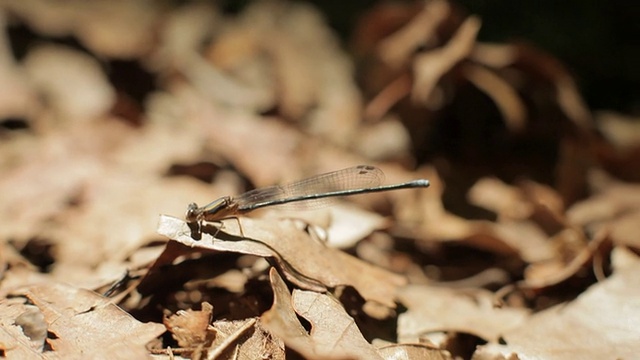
{"type": "Point", "coordinates": [116, 115]}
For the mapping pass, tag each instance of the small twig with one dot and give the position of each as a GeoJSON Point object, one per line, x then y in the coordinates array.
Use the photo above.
{"type": "Point", "coordinates": [231, 339]}
{"type": "Point", "coordinates": [171, 351]}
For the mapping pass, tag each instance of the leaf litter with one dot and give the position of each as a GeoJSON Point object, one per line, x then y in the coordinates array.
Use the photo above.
{"type": "Point", "coordinates": [104, 141]}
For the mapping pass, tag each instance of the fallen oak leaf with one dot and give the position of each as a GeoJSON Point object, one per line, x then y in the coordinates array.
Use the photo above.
{"type": "Point", "coordinates": [413, 352]}
{"type": "Point", "coordinates": [312, 77]}
{"type": "Point", "coordinates": [430, 221]}
{"type": "Point", "coordinates": [181, 232]}
{"type": "Point", "coordinates": [493, 351]}
{"type": "Point", "coordinates": [384, 140]}
{"type": "Point", "coordinates": [430, 67]}
{"type": "Point", "coordinates": [264, 155]}
{"type": "Point", "coordinates": [282, 320]}
{"type": "Point", "coordinates": [566, 92]}
{"type": "Point", "coordinates": [624, 229]}
{"type": "Point", "coordinates": [111, 240]}
{"type": "Point", "coordinates": [432, 309]}
{"type": "Point", "coordinates": [529, 200]}
{"type": "Point", "coordinates": [303, 260]}
{"type": "Point", "coordinates": [600, 324]}
{"type": "Point", "coordinates": [541, 275]}
{"type": "Point", "coordinates": [621, 131]}
{"type": "Point", "coordinates": [493, 55]}
{"type": "Point", "coordinates": [74, 82]}
{"type": "Point", "coordinates": [86, 323]}
{"type": "Point", "coordinates": [20, 189]}
{"type": "Point", "coordinates": [16, 340]}
{"type": "Point", "coordinates": [191, 328]}
{"type": "Point", "coordinates": [396, 49]}
{"type": "Point", "coordinates": [120, 30]}
{"type": "Point", "coordinates": [611, 198]}
{"type": "Point", "coordinates": [332, 327]}
{"type": "Point", "coordinates": [527, 215]}
{"type": "Point", "coordinates": [184, 277]}
{"type": "Point", "coordinates": [334, 334]}
{"type": "Point", "coordinates": [265, 142]}
{"type": "Point", "coordinates": [505, 200]}
{"type": "Point", "coordinates": [250, 339]}
{"type": "Point", "coordinates": [505, 97]}
{"type": "Point", "coordinates": [341, 225]}
{"type": "Point", "coordinates": [523, 238]}
{"type": "Point", "coordinates": [351, 224]}
{"type": "Point", "coordinates": [220, 87]}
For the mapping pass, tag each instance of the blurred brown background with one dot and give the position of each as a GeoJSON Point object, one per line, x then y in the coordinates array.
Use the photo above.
{"type": "Point", "coordinates": [596, 39]}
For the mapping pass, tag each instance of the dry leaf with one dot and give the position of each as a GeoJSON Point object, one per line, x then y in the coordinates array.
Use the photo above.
{"type": "Point", "coordinates": [600, 323]}
{"type": "Point", "coordinates": [502, 93]}
{"type": "Point", "coordinates": [83, 322]}
{"type": "Point", "coordinates": [396, 49]}
{"type": "Point", "coordinates": [621, 131]}
{"type": "Point", "coordinates": [120, 232]}
{"type": "Point", "coordinates": [526, 215]}
{"type": "Point", "coordinates": [186, 102]}
{"type": "Point", "coordinates": [305, 261]}
{"type": "Point", "coordinates": [429, 67]}
{"type": "Point", "coordinates": [22, 330]}
{"type": "Point", "coordinates": [265, 154]}
{"type": "Point", "coordinates": [316, 85]}
{"type": "Point", "coordinates": [334, 334]}
{"type": "Point", "coordinates": [73, 83]}
{"type": "Point", "coordinates": [611, 198]}
{"type": "Point", "coordinates": [493, 194]}
{"type": "Point", "coordinates": [191, 328]}
{"type": "Point", "coordinates": [340, 225]}
{"type": "Point", "coordinates": [222, 88]}
{"type": "Point", "coordinates": [383, 141]}
{"type": "Point", "coordinates": [433, 309]}
{"type": "Point", "coordinates": [552, 70]}
{"type": "Point", "coordinates": [564, 266]}
{"type": "Point", "coordinates": [282, 320]}
{"type": "Point", "coordinates": [413, 352]}
{"type": "Point", "coordinates": [437, 224]}
{"type": "Point", "coordinates": [183, 32]}
{"type": "Point", "coordinates": [22, 185]}
{"type": "Point", "coordinates": [246, 340]}
{"type": "Point", "coordinates": [524, 237]}
{"type": "Point", "coordinates": [338, 332]}
{"type": "Point", "coordinates": [624, 230]}
{"type": "Point", "coordinates": [494, 55]}
{"type": "Point", "coordinates": [121, 29]}
{"type": "Point", "coordinates": [351, 224]}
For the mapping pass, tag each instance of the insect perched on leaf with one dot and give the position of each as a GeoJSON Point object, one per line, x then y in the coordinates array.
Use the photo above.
{"type": "Point", "coordinates": [350, 181]}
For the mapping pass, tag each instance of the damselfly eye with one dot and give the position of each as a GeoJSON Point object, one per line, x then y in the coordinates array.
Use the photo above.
{"type": "Point", "coordinates": [191, 214]}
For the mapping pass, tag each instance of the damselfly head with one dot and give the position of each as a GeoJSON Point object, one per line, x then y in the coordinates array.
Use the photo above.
{"type": "Point", "coordinates": [192, 214]}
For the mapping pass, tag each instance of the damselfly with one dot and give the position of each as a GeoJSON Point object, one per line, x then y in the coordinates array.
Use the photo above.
{"type": "Point", "coordinates": [350, 181]}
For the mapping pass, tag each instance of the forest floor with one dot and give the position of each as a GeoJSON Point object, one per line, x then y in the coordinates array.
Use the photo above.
{"type": "Point", "coordinates": [115, 116]}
